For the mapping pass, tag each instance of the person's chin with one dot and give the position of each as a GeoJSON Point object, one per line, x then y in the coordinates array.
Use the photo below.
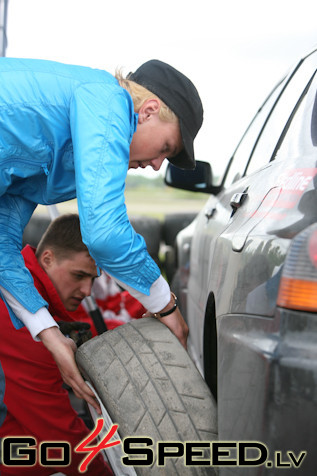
{"type": "Point", "coordinates": [73, 304]}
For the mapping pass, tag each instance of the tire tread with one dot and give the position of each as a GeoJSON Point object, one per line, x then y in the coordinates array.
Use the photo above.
{"type": "Point", "coordinates": [150, 386]}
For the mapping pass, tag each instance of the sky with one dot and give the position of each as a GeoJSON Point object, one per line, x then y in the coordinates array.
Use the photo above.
{"type": "Point", "coordinates": [234, 51]}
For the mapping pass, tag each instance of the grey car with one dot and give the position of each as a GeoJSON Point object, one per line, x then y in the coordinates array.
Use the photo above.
{"type": "Point", "coordinates": [247, 280]}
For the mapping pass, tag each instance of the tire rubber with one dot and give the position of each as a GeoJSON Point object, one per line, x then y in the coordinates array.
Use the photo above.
{"type": "Point", "coordinates": [150, 387]}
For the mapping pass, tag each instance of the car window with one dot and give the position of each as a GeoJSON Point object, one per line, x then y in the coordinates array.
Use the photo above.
{"type": "Point", "coordinates": [300, 138]}
{"type": "Point", "coordinates": [280, 115]}
{"type": "Point", "coordinates": [245, 148]}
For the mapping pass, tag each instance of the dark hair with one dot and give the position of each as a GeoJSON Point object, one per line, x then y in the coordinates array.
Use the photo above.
{"type": "Point", "coordinates": [63, 237]}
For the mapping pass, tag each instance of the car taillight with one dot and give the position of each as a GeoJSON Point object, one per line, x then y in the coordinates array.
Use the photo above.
{"type": "Point", "coordinates": [298, 284]}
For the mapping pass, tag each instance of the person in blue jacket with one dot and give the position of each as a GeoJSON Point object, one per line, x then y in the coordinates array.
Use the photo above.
{"type": "Point", "coordinates": [71, 131]}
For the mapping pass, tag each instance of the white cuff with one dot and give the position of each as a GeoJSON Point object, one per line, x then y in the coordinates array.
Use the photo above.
{"type": "Point", "coordinates": [35, 323]}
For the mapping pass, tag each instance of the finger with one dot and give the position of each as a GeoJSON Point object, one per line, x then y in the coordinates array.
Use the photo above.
{"type": "Point", "coordinates": [183, 341]}
{"type": "Point", "coordinates": [147, 314]}
{"type": "Point", "coordinates": [79, 386]}
{"type": "Point", "coordinates": [72, 344]}
{"type": "Point", "coordinates": [84, 392]}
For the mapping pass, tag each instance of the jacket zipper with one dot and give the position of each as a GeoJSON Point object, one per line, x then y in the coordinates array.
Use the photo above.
{"type": "Point", "coordinates": [44, 167]}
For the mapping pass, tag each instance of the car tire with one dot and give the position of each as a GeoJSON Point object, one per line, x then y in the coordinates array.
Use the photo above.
{"type": "Point", "coordinates": [35, 229]}
{"type": "Point", "coordinates": [150, 387]}
{"type": "Point", "coordinates": [174, 223]}
{"type": "Point", "coordinates": [151, 230]}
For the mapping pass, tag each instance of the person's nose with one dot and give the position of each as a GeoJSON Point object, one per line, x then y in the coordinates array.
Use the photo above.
{"type": "Point", "coordinates": [85, 287]}
{"type": "Point", "coordinates": [157, 163]}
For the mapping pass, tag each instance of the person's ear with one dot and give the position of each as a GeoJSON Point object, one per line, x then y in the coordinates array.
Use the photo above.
{"type": "Point", "coordinates": [149, 108]}
{"type": "Point", "coordinates": [46, 259]}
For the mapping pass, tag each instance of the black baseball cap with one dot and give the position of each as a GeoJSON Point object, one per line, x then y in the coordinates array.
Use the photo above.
{"type": "Point", "coordinates": [181, 96]}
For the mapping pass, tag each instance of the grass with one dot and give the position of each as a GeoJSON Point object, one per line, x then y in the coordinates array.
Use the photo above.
{"type": "Point", "coordinates": [158, 202]}
{"type": "Point", "coordinates": [146, 201]}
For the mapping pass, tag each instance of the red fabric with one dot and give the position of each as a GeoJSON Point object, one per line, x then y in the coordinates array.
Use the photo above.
{"type": "Point", "coordinates": [38, 405]}
{"type": "Point", "coordinates": [113, 303]}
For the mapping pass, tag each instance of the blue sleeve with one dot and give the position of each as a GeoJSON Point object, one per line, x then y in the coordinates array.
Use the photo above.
{"type": "Point", "coordinates": [15, 213]}
{"type": "Point", "coordinates": [102, 125]}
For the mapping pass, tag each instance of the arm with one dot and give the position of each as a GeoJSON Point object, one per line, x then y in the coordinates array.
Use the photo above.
{"type": "Point", "coordinates": [25, 304]}
{"type": "Point", "coordinates": [102, 126]}
{"type": "Point", "coordinates": [176, 323]}
{"type": "Point", "coordinates": [42, 326]}
{"type": "Point", "coordinates": [102, 130]}
{"type": "Point", "coordinates": [15, 212]}
{"type": "Point", "coordinates": [63, 349]}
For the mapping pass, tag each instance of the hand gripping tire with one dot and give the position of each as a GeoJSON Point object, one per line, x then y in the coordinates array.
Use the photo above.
{"type": "Point", "coordinates": [150, 387]}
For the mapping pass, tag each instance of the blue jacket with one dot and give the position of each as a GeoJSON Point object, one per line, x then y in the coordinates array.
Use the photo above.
{"type": "Point", "coordinates": [65, 132]}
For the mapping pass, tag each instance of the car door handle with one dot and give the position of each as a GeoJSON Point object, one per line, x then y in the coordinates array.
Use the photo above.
{"type": "Point", "coordinates": [237, 200]}
{"type": "Point", "coordinates": [209, 212]}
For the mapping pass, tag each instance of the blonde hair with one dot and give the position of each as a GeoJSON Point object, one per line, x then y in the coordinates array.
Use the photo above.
{"type": "Point", "coordinates": [140, 94]}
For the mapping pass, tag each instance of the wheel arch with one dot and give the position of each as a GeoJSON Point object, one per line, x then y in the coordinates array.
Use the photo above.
{"type": "Point", "coordinates": [210, 354]}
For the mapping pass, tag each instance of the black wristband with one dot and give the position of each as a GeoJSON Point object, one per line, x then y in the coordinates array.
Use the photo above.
{"type": "Point", "coordinates": [170, 311]}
